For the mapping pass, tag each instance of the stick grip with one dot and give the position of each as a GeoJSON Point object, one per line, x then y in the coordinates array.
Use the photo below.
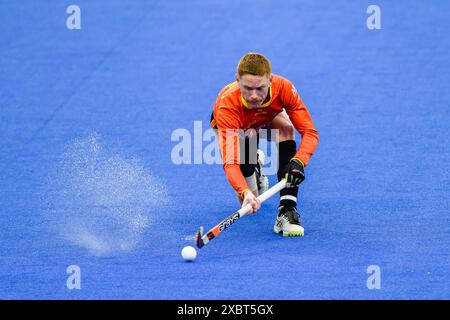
{"type": "Point", "coordinates": [263, 197]}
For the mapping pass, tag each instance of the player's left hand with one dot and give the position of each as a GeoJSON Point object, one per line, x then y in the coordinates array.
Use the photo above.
{"type": "Point", "coordinates": [295, 173]}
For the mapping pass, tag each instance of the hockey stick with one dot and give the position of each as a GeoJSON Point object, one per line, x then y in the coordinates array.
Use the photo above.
{"type": "Point", "coordinates": [201, 239]}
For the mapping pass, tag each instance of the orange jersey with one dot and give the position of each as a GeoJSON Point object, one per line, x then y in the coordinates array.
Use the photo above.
{"type": "Point", "coordinates": [232, 113]}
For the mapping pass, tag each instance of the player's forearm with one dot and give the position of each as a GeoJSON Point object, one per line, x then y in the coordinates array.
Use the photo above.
{"type": "Point", "coordinates": [302, 121]}
{"type": "Point", "coordinates": [310, 140]}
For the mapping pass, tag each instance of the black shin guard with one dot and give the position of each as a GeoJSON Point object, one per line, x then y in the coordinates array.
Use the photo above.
{"type": "Point", "coordinates": [286, 151]}
{"type": "Point", "coordinates": [248, 157]}
{"type": "Point", "coordinates": [247, 169]}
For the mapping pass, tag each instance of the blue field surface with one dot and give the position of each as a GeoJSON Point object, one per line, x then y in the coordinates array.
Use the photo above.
{"type": "Point", "coordinates": [88, 177]}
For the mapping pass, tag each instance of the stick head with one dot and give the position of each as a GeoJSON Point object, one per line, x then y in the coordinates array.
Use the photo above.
{"type": "Point", "coordinates": [198, 238]}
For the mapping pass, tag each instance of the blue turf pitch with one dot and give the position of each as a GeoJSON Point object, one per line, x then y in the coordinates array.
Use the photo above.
{"type": "Point", "coordinates": [87, 178]}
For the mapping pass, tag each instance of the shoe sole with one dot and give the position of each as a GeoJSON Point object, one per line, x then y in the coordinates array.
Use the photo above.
{"type": "Point", "coordinates": [299, 233]}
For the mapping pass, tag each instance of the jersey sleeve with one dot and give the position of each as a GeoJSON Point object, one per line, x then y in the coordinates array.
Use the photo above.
{"type": "Point", "coordinates": [228, 129]}
{"type": "Point", "coordinates": [301, 119]}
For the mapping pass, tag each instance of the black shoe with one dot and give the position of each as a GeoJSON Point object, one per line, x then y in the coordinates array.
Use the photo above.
{"type": "Point", "coordinates": [288, 222]}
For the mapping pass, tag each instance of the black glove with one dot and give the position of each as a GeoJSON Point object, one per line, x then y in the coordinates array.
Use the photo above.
{"type": "Point", "coordinates": [295, 173]}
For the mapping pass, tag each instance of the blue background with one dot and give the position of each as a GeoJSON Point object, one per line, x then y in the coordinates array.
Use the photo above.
{"type": "Point", "coordinates": [377, 188]}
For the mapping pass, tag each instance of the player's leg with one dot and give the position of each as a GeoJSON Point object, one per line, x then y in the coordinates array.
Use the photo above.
{"type": "Point", "coordinates": [248, 145]}
{"type": "Point", "coordinates": [288, 219]}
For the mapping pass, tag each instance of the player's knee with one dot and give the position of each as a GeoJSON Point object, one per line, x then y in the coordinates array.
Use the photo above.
{"type": "Point", "coordinates": [286, 132]}
{"type": "Point", "coordinates": [247, 169]}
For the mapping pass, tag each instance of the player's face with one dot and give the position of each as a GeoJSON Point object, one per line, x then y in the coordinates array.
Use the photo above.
{"type": "Point", "coordinates": [254, 89]}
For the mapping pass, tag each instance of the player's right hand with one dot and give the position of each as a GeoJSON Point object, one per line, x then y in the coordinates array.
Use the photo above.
{"type": "Point", "coordinates": [249, 197]}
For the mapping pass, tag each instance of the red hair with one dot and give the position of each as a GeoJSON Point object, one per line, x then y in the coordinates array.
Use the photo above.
{"type": "Point", "coordinates": [255, 64]}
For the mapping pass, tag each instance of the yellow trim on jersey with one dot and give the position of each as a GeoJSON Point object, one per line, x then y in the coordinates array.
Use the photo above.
{"type": "Point", "coordinates": [270, 100]}
{"type": "Point", "coordinates": [298, 160]}
{"type": "Point", "coordinates": [231, 84]}
{"type": "Point", "coordinates": [228, 86]}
